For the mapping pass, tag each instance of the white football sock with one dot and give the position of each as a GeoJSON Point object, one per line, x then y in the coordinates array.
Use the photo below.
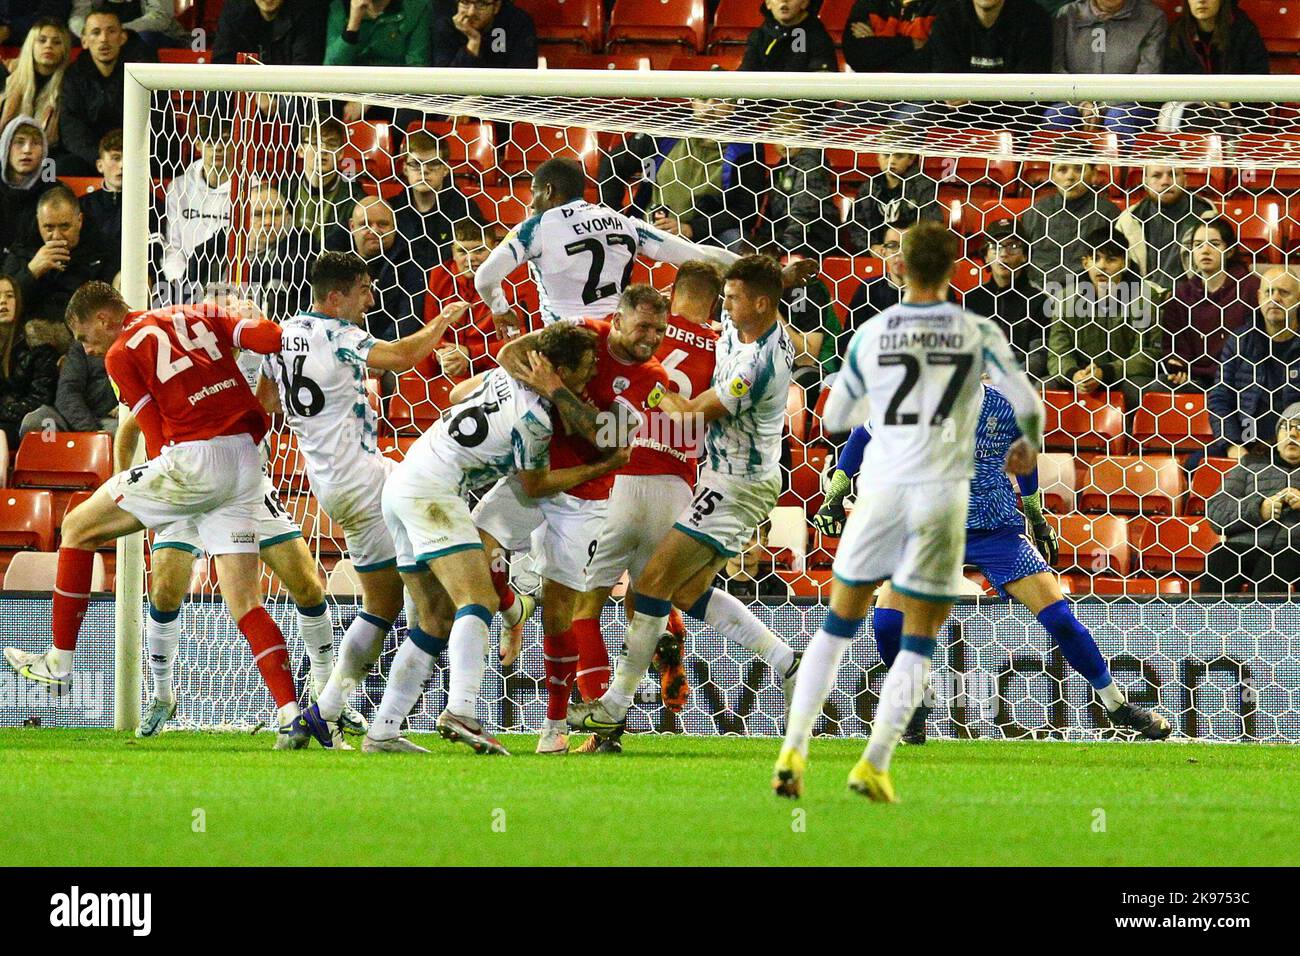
{"type": "Point", "coordinates": [1111, 696]}
{"type": "Point", "coordinates": [903, 690]}
{"type": "Point", "coordinates": [406, 679]}
{"type": "Point", "coordinates": [817, 671]}
{"type": "Point", "coordinates": [360, 648]}
{"type": "Point", "coordinates": [466, 650]}
{"type": "Point", "coordinates": [162, 638]}
{"type": "Point", "coordinates": [317, 633]}
{"type": "Point", "coordinates": [288, 713]}
{"type": "Point", "coordinates": [642, 636]}
{"type": "Point", "coordinates": [729, 616]}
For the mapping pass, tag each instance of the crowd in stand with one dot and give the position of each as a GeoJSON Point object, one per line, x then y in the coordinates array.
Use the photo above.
{"type": "Point", "coordinates": [1095, 297]}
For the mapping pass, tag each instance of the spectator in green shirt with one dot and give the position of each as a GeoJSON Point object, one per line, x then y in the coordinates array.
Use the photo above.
{"type": "Point", "coordinates": [379, 33]}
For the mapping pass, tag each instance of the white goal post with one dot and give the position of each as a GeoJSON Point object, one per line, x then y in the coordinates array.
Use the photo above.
{"type": "Point", "coordinates": [632, 101]}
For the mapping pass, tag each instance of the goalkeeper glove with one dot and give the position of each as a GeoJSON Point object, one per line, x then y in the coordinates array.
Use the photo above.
{"type": "Point", "coordinates": [1044, 538]}
{"type": "Point", "coordinates": [829, 519]}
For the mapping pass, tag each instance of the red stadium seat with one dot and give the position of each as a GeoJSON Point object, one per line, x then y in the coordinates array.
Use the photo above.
{"type": "Point", "coordinates": [471, 149]}
{"type": "Point", "coordinates": [1093, 543]}
{"type": "Point", "coordinates": [661, 275]}
{"type": "Point", "coordinates": [183, 55]}
{"type": "Point", "coordinates": [658, 22]}
{"type": "Point", "coordinates": [594, 61]}
{"type": "Point", "coordinates": [530, 146]}
{"type": "Point", "coordinates": [26, 520]}
{"type": "Point", "coordinates": [1207, 479]}
{"type": "Point", "coordinates": [734, 21]}
{"type": "Point", "coordinates": [396, 448]}
{"type": "Point", "coordinates": [577, 22]}
{"type": "Point", "coordinates": [1268, 149]}
{"type": "Point", "coordinates": [974, 218]}
{"type": "Point", "coordinates": [844, 275]}
{"type": "Point", "coordinates": [1058, 478]}
{"type": "Point", "coordinates": [81, 185]}
{"type": "Point", "coordinates": [1133, 484]}
{"type": "Point", "coordinates": [1278, 22]}
{"type": "Point", "coordinates": [726, 58]}
{"type": "Point", "coordinates": [285, 463]}
{"type": "Point", "coordinates": [1259, 224]}
{"type": "Point", "coordinates": [418, 402]}
{"type": "Point", "coordinates": [1173, 544]}
{"type": "Point", "coordinates": [507, 205]}
{"type": "Point", "coordinates": [967, 274]}
{"type": "Point", "coordinates": [1205, 149]}
{"type": "Point", "coordinates": [71, 460]}
{"type": "Point", "coordinates": [1173, 421]}
{"type": "Point", "coordinates": [370, 146]}
{"type": "Point", "coordinates": [1084, 422]}
{"type": "Point", "coordinates": [834, 16]}
{"type": "Point", "coordinates": [963, 167]}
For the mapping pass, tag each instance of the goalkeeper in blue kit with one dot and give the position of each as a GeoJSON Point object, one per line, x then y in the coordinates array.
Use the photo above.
{"type": "Point", "coordinates": [998, 546]}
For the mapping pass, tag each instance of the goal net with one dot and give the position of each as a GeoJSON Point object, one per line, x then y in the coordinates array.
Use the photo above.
{"type": "Point", "coordinates": [1134, 253]}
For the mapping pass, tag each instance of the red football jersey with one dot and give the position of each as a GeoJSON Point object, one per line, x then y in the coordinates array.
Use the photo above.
{"type": "Point", "coordinates": [687, 353]}
{"type": "Point", "coordinates": [614, 381]}
{"type": "Point", "coordinates": [178, 359]}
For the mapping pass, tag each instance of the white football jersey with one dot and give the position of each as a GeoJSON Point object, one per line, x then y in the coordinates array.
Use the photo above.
{"type": "Point", "coordinates": [320, 372]}
{"type": "Point", "coordinates": [580, 257]}
{"type": "Point", "coordinates": [919, 368]}
{"type": "Point", "coordinates": [500, 428]}
{"type": "Point", "coordinates": [752, 379]}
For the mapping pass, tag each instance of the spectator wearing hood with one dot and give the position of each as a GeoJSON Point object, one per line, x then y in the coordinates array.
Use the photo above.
{"type": "Point", "coordinates": [791, 40]}
{"type": "Point", "coordinates": [65, 256]}
{"type": "Point", "coordinates": [94, 89]}
{"type": "Point", "coordinates": [1260, 368]}
{"type": "Point", "coordinates": [889, 36]}
{"type": "Point", "coordinates": [430, 205]}
{"type": "Point", "coordinates": [30, 350]}
{"type": "Point", "coordinates": [277, 32]}
{"type": "Point", "coordinates": [24, 176]}
{"type": "Point", "coordinates": [1257, 510]}
{"type": "Point", "coordinates": [272, 268]}
{"type": "Point", "coordinates": [483, 33]}
{"type": "Point", "coordinates": [399, 283]}
{"type": "Point", "coordinates": [1211, 301]}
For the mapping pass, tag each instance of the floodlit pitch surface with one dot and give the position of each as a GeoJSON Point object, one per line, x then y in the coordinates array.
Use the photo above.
{"type": "Point", "coordinates": [76, 797]}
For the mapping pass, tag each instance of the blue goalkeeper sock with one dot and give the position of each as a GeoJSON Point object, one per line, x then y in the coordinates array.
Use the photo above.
{"type": "Point", "coordinates": [1080, 650]}
{"type": "Point", "coordinates": [887, 628]}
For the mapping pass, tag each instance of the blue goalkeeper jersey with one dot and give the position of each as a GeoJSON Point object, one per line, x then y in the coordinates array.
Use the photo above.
{"type": "Point", "coordinates": [992, 497]}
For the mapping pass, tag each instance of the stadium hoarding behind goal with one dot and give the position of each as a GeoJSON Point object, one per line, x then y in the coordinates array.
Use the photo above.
{"type": "Point", "coordinates": [984, 154]}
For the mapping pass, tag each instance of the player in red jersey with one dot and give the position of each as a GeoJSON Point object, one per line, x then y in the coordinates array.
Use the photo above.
{"type": "Point", "coordinates": [657, 483]}
{"type": "Point", "coordinates": [174, 370]}
{"type": "Point", "coordinates": [603, 420]}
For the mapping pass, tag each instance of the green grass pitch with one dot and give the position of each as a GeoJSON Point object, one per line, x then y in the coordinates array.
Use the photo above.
{"type": "Point", "coordinates": [79, 797]}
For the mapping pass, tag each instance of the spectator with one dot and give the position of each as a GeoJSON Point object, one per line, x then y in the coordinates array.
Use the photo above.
{"type": "Point", "coordinates": [991, 36]}
{"type": "Point", "coordinates": [1103, 335]}
{"type": "Point", "coordinates": [1010, 298]}
{"type": "Point", "coordinates": [378, 33]}
{"type": "Point", "coordinates": [30, 350]}
{"type": "Point", "coordinates": [373, 235]}
{"type": "Point", "coordinates": [274, 259]}
{"type": "Point", "coordinates": [800, 216]}
{"type": "Point", "coordinates": [197, 204]}
{"type": "Point", "coordinates": [1154, 225]}
{"type": "Point", "coordinates": [483, 33]}
{"type": "Point", "coordinates": [93, 89]}
{"type": "Point", "coordinates": [1260, 368]}
{"type": "Point", "coordinates": [23, 177]}
{"type": "Point", "coordinates": [431, 204]}
{"type": "Point", "coordinates": [17, 17]}
{"type": "Point", "coordinates": [103, 207]}
{"type": "Point", "coordinates": [790, 40]}
{"type": "Point", "coordinates": [280, 32]}
{"type": "Point", "coordinates": [84, 400]}
{"type": "Point", "coordinates": [699, 189]}
{"type": "Point", "coordinates": [1214, 37]}
{"type": "Point", "coordinates": [1055, 226]}
{"type": "Point", "coordinates": [1211, 301]}
{"type": "Point", "coordinates": [153, 21]}
{"type": "Point", "coordinates": [65, 256]}
{"type": "Point", "coordinates": [469, 347]}
{"type": "Point", "coordinates": [1112, 37]}
{"type": "Point", "coordinates": [875, 295]}
{"type": "Point", "coordinates": [814, 331]}
{"type": "Point", "coordinates": [899, 191]}
{"type": "Point", "coordinates": [35, 87]}
{"type": "Point", "coordinates": [325, 195]}
{"type": "Point", "coordinates": [888, 36]}
{"type": "Point", "coordinates": [1257, 511]}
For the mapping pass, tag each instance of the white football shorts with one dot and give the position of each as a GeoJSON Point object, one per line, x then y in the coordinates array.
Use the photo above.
{"type": "Point", "coordinates": [727, 510]}
{"type": "Point", "coordinates": [357, 508]}
{"type": "Point", "coordinates": [274, 525]}
{"type": "Point", "coordinates": [914, 535]}
{"type": "Point", "coordinates": [641, 512]}
{"type": "Point", "coordinates": [427, 518]}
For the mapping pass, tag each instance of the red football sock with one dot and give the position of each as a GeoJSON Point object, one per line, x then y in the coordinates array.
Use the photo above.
{"type": "Point", "coordinates": [560, 655]}
{"type": "Point", "coordinates": [71, 595]}
{"type": "Point", "coordinates": [676, 626]}
{"type": "Point", "coordinates": [593, 658]}
{"type": "Point", "coordinates": [505, 595]}
{"type": "Point", "coordinates": [269, 654]}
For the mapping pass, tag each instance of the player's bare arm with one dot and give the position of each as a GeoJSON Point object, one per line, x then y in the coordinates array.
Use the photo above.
{"type": "Point", "coordinates": [543, 483]}
{"type": "Point", "coordinates": [406, 353]}
{"type": "Point", "coordinates": [705, 404]}
{"type": "Point", "coordinates": [462, 390]}
{"type": "Point", "coordinates": [125, 442]}
{"type": "Point", "coordinates": [269, 395]}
